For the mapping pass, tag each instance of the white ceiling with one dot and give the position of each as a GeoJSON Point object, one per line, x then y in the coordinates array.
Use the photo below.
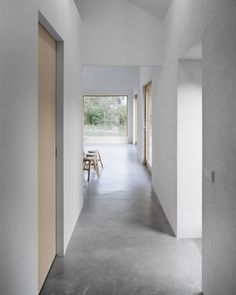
{"type": "Point", "coordinates": [194, 52]}
{"type": "Point", "coordinates": [157, 8]}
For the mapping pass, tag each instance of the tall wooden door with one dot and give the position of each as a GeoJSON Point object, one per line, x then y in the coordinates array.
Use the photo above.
{"type": "Point", "coordinates": [46, 153]}
{"type": "Point", "coordinates": [135, 120]}
{"type": "Point", "coordinates": [148, 125]}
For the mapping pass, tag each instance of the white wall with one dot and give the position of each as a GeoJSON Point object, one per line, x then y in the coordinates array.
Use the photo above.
{"type": "Point", "coordinates": [189, 149]}
{"type": "Point", "coordinates": [18, 135]}
{"type": "Point", "coordinates": [110, 77]}
{"type": "Point", "coordinates": [113, 80]}
{"type": "Point", "coordinates": [119, 33]}
{"type": "Point", "coordinates": [219, 152]}
{"type": "Point", "coordinates": [183, 29]}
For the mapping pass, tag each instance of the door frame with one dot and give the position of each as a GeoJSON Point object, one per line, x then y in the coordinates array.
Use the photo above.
{"type": "Point", "coordinates": [59, 132]}
{"type": "Point", "coordinates": [135, 119]}
{"type": "Point", "coordinates": [146, 162]}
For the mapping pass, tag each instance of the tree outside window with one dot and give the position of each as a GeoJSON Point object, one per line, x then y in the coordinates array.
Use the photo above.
{"type": "Point", "coordinates": [105, 115]}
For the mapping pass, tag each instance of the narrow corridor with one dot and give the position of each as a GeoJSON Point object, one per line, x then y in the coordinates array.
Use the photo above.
{"type": "Point", "coordinates": [123, 244]}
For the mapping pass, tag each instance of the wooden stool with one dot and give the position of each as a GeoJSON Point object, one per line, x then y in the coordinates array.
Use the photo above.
{"type": "Point", "coordinates": [97, 154]}
{"type": "Point", "coordinates": [90, 162]}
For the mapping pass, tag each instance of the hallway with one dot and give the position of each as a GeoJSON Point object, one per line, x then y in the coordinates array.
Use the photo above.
{"type": "Point", "coordinates": [123, 244]}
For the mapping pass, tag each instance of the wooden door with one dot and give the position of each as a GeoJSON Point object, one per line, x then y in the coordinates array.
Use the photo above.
{"type": "Point", "coordinates": [148, 125]}
{"type": "Point", "coordinates": [135, 120]}
{"type": "Point", "coordinates": [46, 153]}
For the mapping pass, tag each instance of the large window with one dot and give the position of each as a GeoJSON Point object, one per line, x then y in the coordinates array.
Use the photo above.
{"type": "Point", "coordinates": [105, 115]}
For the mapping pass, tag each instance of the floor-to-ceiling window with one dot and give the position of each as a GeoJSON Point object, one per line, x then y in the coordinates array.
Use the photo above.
{"type": "Point", "coordinates": [148, 125]}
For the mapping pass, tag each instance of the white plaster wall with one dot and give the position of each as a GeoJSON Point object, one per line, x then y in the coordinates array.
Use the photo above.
{"type": "Point", "coordinates": [117, 80]}
{"type": "Point", "coordinates": [110, 77]}
{"type": "Point", "coordinates": [119, 33]}
{"type": "Point", "coordinates": [189, 149]}
{"type": "Point", "coordinates": [183, 29]}
{"type": "Point", "coordinates": [18, 135]}
{"type": "Point", "coordinates": [219, 152]}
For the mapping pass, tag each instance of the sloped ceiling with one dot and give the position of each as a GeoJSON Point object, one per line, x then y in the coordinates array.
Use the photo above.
{"type": "Point", "coordinates": [157, 8]}
{"type": "Point", "coordinates": [194, 52]}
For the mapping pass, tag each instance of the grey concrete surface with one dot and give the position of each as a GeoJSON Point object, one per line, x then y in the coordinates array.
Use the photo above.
{"type": "Point", "coordinates": [123, 243]}
{"type": "Point", "coordinates": [219, 152]}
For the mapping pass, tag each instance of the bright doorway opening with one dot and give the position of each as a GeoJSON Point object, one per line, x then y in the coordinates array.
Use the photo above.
{"type": "Point", "coordinates": [148, 125]}
{"type": "Point", "coordinates": [189, 149]}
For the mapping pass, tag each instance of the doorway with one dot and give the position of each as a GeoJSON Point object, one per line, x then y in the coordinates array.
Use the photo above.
{"type": "Point", "coordinates": [148, 125]}
{"type": "Point", "coordinates": [47, 60]}
{"type": "Point", "coordinates": [135, 120]}
{"type": "Point", "coordinates": [189, 149]}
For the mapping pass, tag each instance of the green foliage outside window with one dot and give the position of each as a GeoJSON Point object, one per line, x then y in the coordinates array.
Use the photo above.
{"type": "Point", "coordinates": [105, 115]}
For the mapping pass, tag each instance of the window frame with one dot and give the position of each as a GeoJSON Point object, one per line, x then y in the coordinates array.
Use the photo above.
{"type": "Point", "coordinates": [127, 112]}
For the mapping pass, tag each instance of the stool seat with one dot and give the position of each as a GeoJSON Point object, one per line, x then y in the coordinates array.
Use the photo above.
{"type": "Point", "coordinates": [97, 154]}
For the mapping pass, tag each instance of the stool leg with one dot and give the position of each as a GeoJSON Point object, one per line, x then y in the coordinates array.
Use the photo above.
{"type": "Point", "coordinates": [96, 167]}
{"type": "Point", "coordinates": [89, 170]}
{"type": "Point", "coordinates": [100, 159]}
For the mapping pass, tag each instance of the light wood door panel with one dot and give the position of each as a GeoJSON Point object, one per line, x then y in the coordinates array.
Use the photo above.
{"type": "Point", "coordinates": [46, 153]}
{"type": "Point", "coordinates": [148, 125]}
{"type": "Point", "coordinates": [135, 120]}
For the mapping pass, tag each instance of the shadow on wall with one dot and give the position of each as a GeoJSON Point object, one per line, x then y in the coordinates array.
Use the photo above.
{"type": "Point", "coordinates": [157, 211]}
{"type": "Point", "coordinates": [151, 217]}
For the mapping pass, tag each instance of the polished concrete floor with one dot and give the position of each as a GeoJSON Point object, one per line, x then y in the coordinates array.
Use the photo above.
{"type": "Point", "coordinates": [123, 244]}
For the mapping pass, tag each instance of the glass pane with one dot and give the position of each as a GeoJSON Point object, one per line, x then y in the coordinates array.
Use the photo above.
{"type": "Point", "coordinates": [105, 116]}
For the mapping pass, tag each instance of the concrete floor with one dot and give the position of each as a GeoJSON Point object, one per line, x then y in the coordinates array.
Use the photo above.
{"type": "Point", "coordinates": [123, 244]}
